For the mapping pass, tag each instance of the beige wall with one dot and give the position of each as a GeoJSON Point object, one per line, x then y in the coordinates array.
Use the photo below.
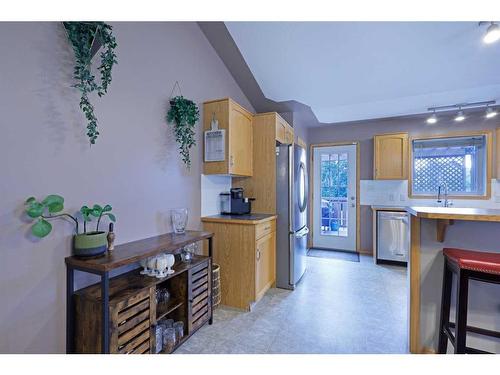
{"type": "Point", "coordinates": [365, 130]}
{"type": "Point", "coordinates": [134, 166]}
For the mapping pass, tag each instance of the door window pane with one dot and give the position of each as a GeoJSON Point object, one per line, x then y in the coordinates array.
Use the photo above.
{"type": "Point", "coordinates": [457, 163]}
{"type": "Point", "coordinates": [334, 177]}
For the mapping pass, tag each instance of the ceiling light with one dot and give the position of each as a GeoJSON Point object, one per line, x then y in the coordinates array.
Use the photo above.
{"type": "Point", "coordinates": [460, 116]}
{"type": "Point", "coordinates": [490, 112]}
{"type": "Point", "coordinates": [492, 34]}
{"type": "Point", "coordinates": [432, 119]}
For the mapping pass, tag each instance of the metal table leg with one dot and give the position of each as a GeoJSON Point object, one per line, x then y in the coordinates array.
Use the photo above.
{"type": "Point", "coordinates": [105, 312]}
{"type": "Point", "coordinates": [210, 250]}
{"type": "Point", "coordinates": [70, 310]}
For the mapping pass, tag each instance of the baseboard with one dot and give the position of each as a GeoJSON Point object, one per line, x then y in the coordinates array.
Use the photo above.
{"type": "Point", "coordinates": [366, 252]}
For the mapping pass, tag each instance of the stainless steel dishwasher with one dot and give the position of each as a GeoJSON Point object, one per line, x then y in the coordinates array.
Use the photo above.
{"type": "Point", "coordinates": [393, 236]}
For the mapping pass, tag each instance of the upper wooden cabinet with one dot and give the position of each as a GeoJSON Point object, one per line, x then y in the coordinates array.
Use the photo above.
{"type": "Point", "coordinates": [390, 160]}
{"type": "Point", "coordinates": [237, 122]}
{"type": "Point", "coordinates": [284, 132]}
{"type": "Point", "coordinates": [267, 129]}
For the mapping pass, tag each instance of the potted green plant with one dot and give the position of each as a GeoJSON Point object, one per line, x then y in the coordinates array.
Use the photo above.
{"type": "Point", "coordinates": [183, 114]}
{"type": "Point", "coordinates": [84, 244]}
{"type": "Point", "coordinates": [86, 38]}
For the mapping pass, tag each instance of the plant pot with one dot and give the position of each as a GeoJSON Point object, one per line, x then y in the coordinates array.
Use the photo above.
{"type": "Point", "coordinates": [90, 244]}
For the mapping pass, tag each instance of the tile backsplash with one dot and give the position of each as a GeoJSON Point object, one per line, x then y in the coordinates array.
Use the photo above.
{"type": "Point", "coordinates": [211, 187]}
{"type": "Point", "coordinates": [395, 193]}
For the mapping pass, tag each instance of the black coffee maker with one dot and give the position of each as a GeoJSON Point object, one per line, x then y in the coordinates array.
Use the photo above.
{"type": "Point", "coordinates": [234, 203]}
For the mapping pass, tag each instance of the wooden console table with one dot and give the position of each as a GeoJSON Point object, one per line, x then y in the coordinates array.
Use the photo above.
{"type": "Point", "coordinates": [129, 291]}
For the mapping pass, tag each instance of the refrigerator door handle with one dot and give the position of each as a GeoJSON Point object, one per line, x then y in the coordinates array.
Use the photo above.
{"type": "Point", "coordinates": [301, 233]}
{"type": "Point", "coordinates": [290, 188]}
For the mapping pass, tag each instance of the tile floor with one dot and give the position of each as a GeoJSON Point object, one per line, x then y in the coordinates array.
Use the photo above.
{"type": "Point", "coordinates": [338, 307]}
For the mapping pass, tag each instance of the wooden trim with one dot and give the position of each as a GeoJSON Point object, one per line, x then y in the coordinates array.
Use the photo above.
{"type": "Point", "coordinates": [232, 220]}
{"type": "Point", "coordinates": [427, 350]}
{"type": "Point", "coordinates": [311, 188]}
{"type": "Point", "coordinates": [497, 151]}
{"type": "Point", "coordinates": [414, 292]}
{"type": "Point", "coordinates": [489, 162]}
{"type": "Point", "coordinates": [301, 143]}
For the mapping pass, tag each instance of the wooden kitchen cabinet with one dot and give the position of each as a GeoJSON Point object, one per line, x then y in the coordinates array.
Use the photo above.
{"type": "Point", "coordinates": [265, 265]}
{"type": "Point", "coordinates": [245, 249]}
{"type": "Point", "coordinates": [267, 129]}
{"type": "Point", "coordinates": [284, 132]}
{"type": "Point", "coordinates": [390, 156]}
{"type": "Point", "coordinates": [237, 122]}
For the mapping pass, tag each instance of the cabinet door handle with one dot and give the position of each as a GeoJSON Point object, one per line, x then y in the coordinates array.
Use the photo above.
{"type": "Point", "coordinates": [231, 160]}
{"type": "Point", "coordinates": [258, 254]}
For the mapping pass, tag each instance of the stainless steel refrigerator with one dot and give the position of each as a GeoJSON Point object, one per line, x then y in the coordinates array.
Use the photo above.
{"type": "Point", "coordinates": [291, 207]}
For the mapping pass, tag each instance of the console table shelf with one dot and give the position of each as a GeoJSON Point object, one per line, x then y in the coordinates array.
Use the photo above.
{"type": "Point", "coordinates": [125, 306]}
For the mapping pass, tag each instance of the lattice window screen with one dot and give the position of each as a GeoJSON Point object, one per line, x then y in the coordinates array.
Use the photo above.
{"type": "Point", "coordinates": [430, 172]}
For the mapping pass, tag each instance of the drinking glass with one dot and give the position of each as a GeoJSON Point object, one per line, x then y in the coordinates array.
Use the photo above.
{"type": "Point", "coordinates": [170, 259]}
{"type": "Point", "coordinates": [161, 265]}
{"type": "Point", "coordinates": [168, 339]}
{"type": "Point", "coordinates": [179, 220]}
{"type": "Point", "coordinates": [179, 331]}
{"type": "Point", "coordinates": [158, 338]}
{"type": "Point", "coordinates": [187, 254]}
{"type": "Point", "coordinates": [151, 265]}
{"type": "Point", "coordinates": [144, 265]}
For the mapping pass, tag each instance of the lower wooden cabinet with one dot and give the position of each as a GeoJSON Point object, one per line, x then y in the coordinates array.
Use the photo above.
{"type": "Point", "coordinates": [134, 311]}
{"type": "Point", "coordinates": [265, 264]}
{"type": "Point", "coordinates": [246, 253]}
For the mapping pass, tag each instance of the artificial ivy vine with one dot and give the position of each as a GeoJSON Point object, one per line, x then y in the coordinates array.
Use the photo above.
{"type": "Point", "coordinates": [82, 36]}
{"type": "Point", "coordinates": [184, 114]}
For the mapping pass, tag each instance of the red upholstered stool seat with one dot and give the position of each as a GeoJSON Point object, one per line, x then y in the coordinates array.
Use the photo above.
{"type": "Point", "coordinates": [474, 260]}
{"type": "Point", "coordinates": [465, 265]}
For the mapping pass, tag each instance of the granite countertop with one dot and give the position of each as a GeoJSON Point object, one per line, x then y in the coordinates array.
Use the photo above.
{"type": "Point", "coordinates": [240, 219]}
{"type": "Point", "coordinates": [455, 213]}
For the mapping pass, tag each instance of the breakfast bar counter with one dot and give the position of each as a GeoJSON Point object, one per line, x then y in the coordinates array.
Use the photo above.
{"type": "Point", "coordinates": [435, 228]}
{"type": "Point", "coordinates": [455, 213]}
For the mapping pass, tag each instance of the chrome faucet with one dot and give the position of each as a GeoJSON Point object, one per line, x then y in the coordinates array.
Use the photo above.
{"type": "Point", "coordinates": [444, 190]}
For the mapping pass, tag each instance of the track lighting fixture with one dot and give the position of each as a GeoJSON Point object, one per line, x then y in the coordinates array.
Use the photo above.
{"type": "Point", "coordinates": [460, 116]}
{"type": "Point", "coordinates": [492, 33]}
{"type": "Point", "coordinates": [490, 112]}
{"type": "Point", "coordinates": [432, 119]}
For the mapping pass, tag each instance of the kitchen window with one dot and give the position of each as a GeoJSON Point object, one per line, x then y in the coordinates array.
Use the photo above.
{"type": "Point", "coordinates": [458, 164]}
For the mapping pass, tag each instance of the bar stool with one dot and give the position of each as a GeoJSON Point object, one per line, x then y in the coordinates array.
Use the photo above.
{"type": "Point", "coordinates": [466, 265]}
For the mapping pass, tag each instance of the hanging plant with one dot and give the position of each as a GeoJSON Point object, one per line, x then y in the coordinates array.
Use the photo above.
{"type": "Point", "coordinates": [183, 114]}
{"type": "Point", "coordinates": [85, 38]}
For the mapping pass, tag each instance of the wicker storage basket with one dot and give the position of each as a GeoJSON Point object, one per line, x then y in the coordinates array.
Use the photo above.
{"type": "Point", "coordinates": [216, 285]}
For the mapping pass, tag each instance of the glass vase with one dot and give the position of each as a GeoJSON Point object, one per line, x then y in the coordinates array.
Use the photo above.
{"type": "Point", "coordinates": [179, 220]}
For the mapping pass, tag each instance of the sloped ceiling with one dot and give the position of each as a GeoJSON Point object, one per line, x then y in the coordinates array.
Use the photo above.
{"type": "Point", "coordinates": [352, 71]}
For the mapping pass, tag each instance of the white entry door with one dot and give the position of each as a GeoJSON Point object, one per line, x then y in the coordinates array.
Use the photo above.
{"type": "Point", "coordinates": [334, 197]}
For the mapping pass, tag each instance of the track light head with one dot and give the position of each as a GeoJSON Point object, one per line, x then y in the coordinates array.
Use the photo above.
{"type": "Point", "coordinates": [492, 33]}
{"type": "Point", "coordinates": [490, 112]}
{"type": "Point", "coordinates": [432, 119]}
{"type": "Point", "coordinates": [460, 116]}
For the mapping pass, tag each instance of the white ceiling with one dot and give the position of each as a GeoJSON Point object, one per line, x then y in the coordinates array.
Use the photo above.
{"type": "Point", "coordinates": [348, 71]}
